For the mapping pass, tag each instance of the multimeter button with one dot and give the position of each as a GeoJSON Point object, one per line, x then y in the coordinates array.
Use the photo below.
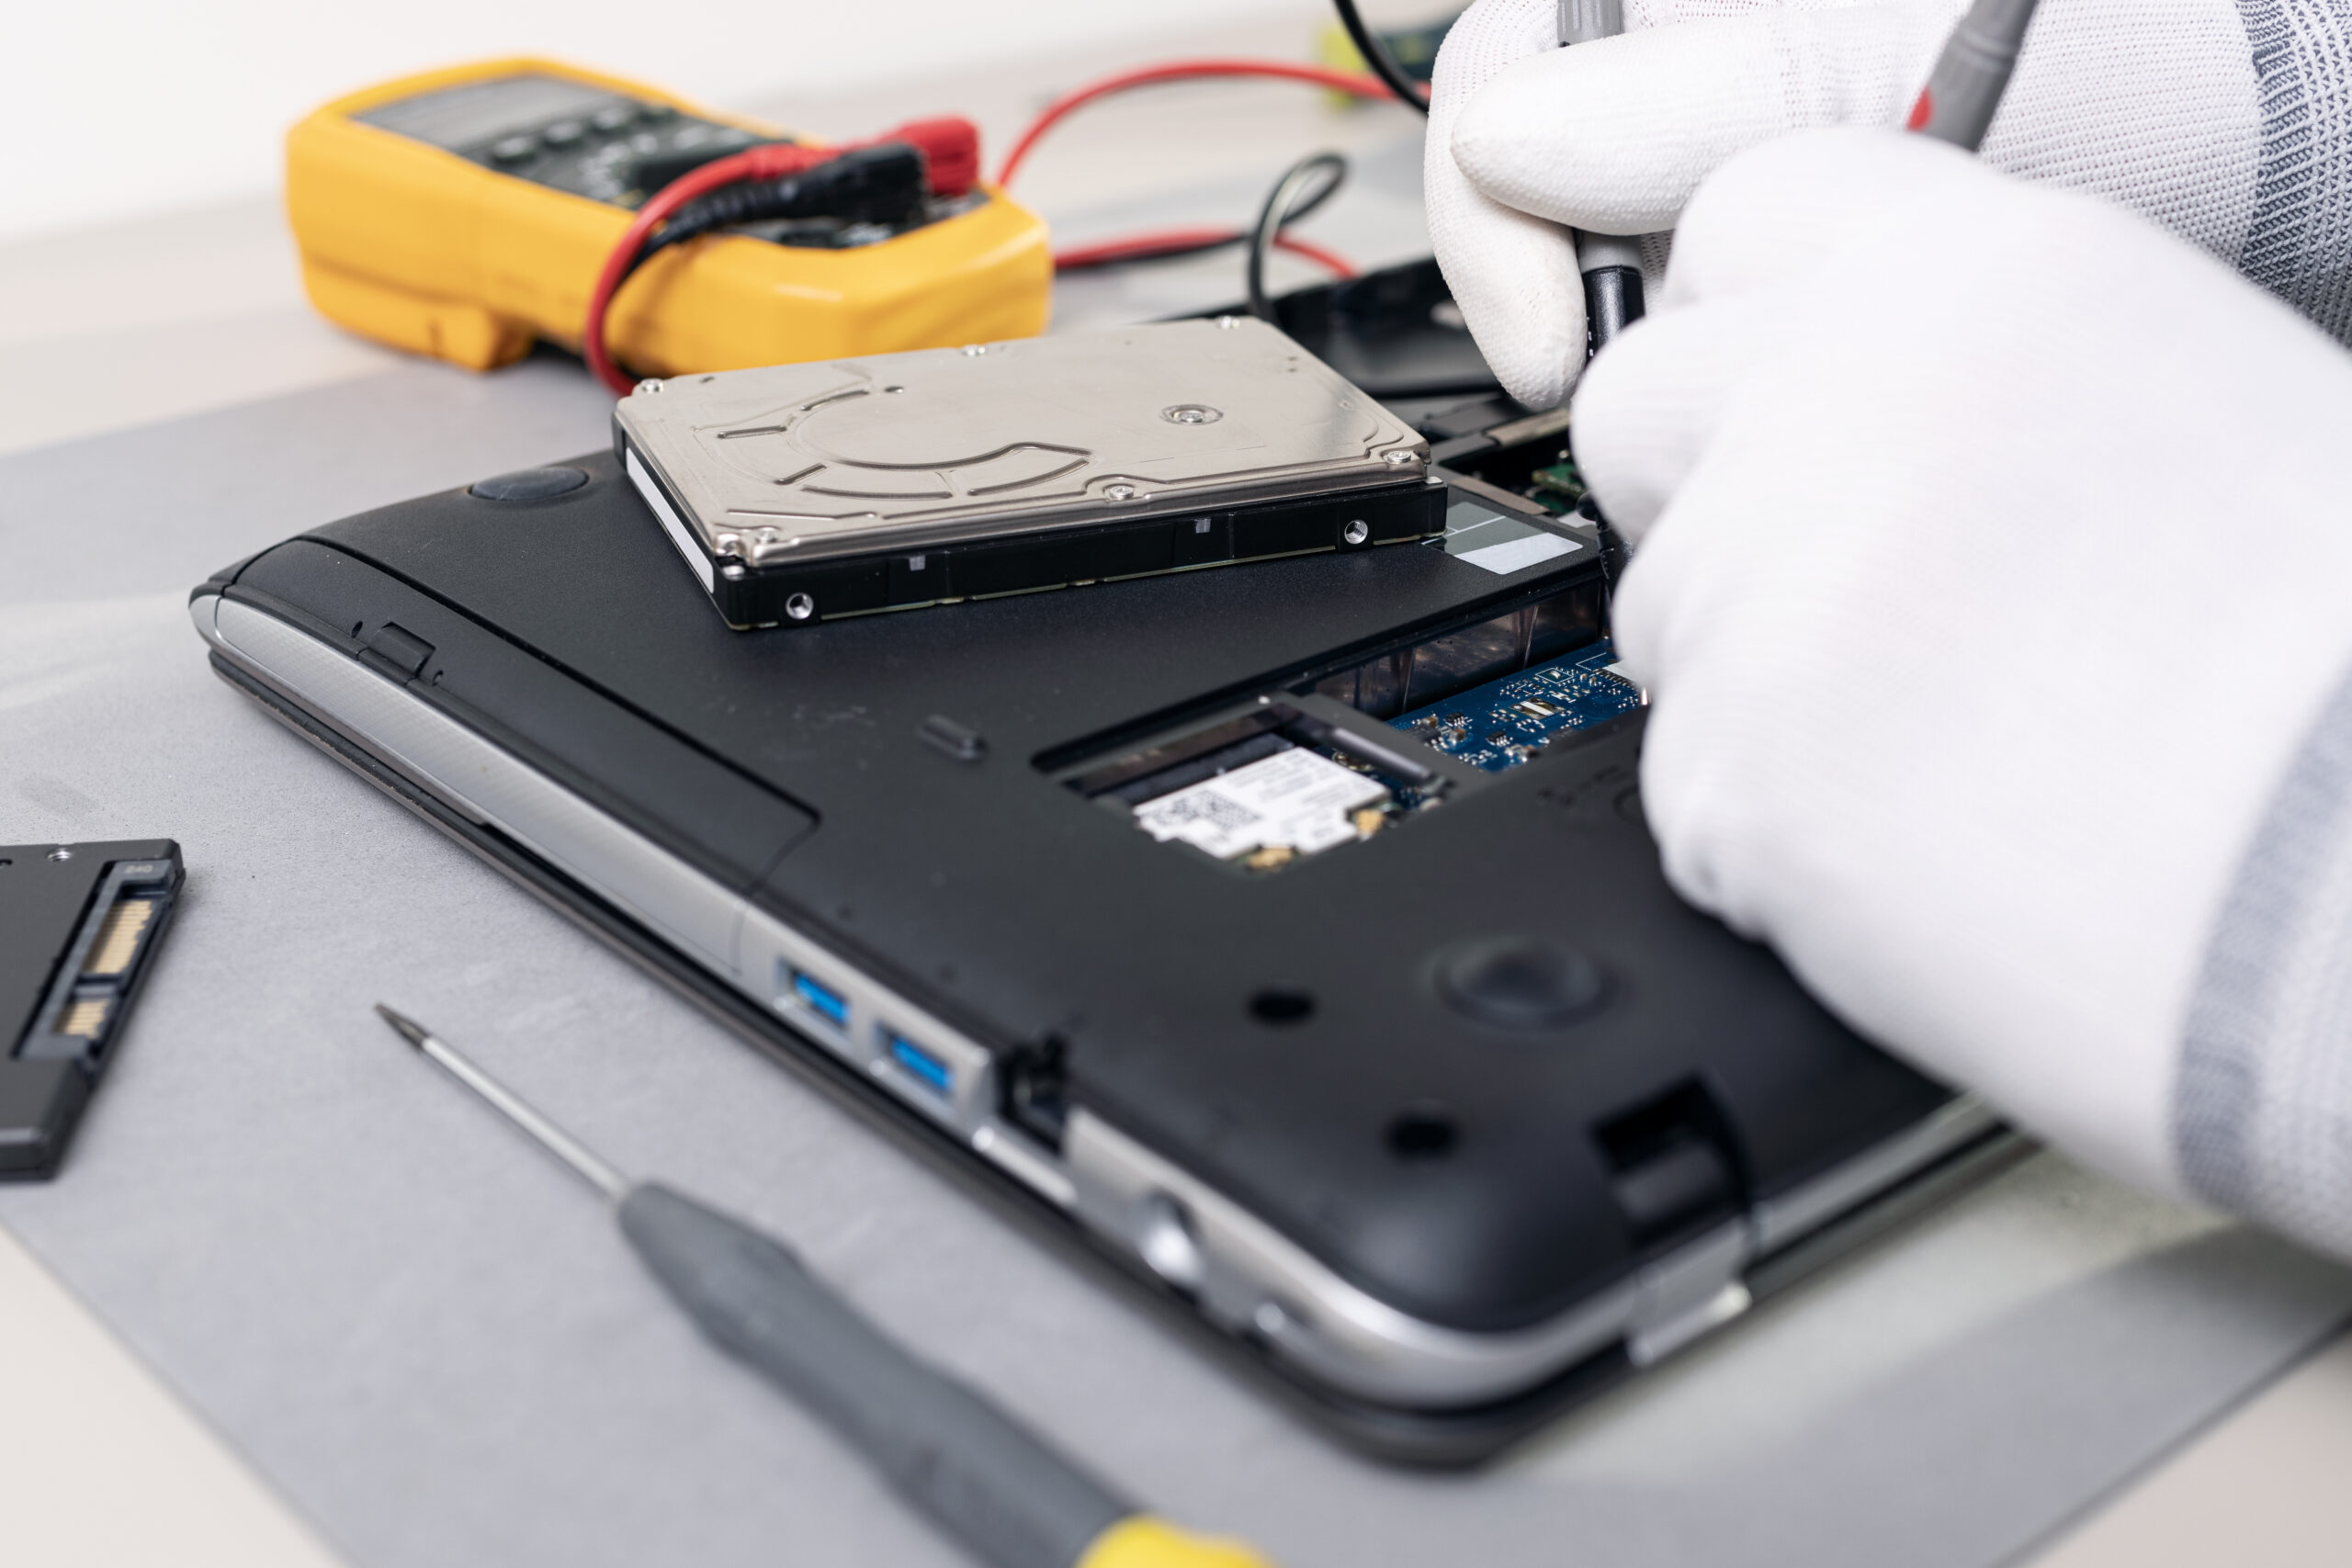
{"type": "Point", "coordinates": [530, 484]}
{"type": "Point", "coordinates": [563, 133]}
{"type": "Point", "coordinates": [614, 116]}
{"type": "Point", "coordinates": [655, 111]}
{"type": "Point", "coordinates": [514, 149]}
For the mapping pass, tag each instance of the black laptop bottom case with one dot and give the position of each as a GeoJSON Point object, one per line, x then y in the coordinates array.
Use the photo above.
{"type": "Point", "coordinates": [1476, 1063]}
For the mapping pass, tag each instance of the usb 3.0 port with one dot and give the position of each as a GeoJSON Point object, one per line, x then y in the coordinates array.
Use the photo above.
{"type": "Point", "coordinates": [821, 998]}
{"type": "Point", "coordinates": [927, 1068]}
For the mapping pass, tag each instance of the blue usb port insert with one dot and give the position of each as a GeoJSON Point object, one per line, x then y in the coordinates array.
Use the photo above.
{"type": "Point", "coordinates": [822, 999]}
{"type": "Point", "coordinates": [927, 1068]}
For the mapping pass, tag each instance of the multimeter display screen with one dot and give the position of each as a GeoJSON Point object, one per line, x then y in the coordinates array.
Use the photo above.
{"type": "Point", "coordinates": [569, 135]}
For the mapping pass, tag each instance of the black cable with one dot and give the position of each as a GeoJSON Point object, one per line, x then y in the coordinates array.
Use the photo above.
{"type": "Point", "coordinates": [1377, 56]}
{"type": "Point", "coordinates": [1284, 204]}
{"type": "Point", "coordinates": [1313, 200]}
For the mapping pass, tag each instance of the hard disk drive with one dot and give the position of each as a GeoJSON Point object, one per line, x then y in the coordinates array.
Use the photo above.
{"type": "Point", "coordinates": [807, 493]}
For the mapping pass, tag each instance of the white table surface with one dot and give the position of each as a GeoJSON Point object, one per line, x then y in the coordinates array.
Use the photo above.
{"type": "Point", "coordinates": [179, 314]}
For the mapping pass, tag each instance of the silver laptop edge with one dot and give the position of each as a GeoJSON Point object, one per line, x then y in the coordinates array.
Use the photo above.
{"type": "Point", "coordinates": [1244, 1274]}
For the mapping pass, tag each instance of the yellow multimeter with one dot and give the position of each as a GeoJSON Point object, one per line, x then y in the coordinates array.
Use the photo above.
{"type": "Point", "coordinates": [465, 213]}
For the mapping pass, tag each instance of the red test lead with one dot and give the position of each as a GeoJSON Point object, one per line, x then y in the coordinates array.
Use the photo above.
{"type": "Point", "coordinates": [1965, 88]}
{"type": "Point", "coordinates": [946, 157]}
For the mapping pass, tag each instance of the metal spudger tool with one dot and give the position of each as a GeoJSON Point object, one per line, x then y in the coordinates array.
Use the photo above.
{"type": "Point", "coordinates": [988, 1482]}
{"type": "Point", "coordinates": [1612, 263]}
{"type": "Point", "coordinates": [1971, 75]}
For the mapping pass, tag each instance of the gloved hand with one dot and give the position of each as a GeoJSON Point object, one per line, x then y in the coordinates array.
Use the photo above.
{"type": "Point", "coordinates": [1993, 588]}
{"type": "Point", "coordinates": [2159, 105]}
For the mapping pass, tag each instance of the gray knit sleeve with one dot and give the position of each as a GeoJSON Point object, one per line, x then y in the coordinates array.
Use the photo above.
{"type": "Point", "coordinates": [2299, 244]}
{"type": "Point", "coordinates": [2262, 1109]}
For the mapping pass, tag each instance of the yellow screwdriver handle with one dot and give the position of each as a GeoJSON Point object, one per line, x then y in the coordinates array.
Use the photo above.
{"type": "Point", "coordinates": [1141, 1542]}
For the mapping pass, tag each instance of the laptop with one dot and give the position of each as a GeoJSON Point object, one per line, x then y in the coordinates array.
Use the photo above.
{"type": "Point", "coordinates": [1287, 934]}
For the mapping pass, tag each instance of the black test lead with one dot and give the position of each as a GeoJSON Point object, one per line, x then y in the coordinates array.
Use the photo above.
{"type": "Point", "coordinates": [993, 1486]}
{"type": "Point", "coordinates": [1956, 106]}
{"type": "Point", "coordinates": [1612, 263]}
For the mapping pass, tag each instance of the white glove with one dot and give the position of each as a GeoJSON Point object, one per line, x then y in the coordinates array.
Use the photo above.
{"type": "Point", "coordinates": [1994, 592]}
{"type": "Point", "coordinates": [2228, 121]}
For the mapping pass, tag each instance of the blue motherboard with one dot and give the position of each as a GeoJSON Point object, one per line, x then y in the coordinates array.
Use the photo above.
{"type": "Point", "coordinates": [1507, 722]}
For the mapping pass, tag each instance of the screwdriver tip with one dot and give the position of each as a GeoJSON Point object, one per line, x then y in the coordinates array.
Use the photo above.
{"type": "Point", "coordinates": [410, 1029]}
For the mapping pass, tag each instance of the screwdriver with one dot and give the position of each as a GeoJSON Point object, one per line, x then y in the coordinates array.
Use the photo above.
{"type": "Point", "coordinates": [1003, 1493]}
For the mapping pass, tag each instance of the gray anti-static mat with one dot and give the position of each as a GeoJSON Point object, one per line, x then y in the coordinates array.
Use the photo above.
{"type": "Point", "coordinates": [429, 1340]}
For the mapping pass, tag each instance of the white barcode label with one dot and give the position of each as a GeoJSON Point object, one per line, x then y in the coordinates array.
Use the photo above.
{"type": "Point", "coordinates": [1294, 798]}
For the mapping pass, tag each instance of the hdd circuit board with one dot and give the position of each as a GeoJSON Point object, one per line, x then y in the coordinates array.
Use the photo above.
{"type": "Point", "coordinates": [1505, 723]}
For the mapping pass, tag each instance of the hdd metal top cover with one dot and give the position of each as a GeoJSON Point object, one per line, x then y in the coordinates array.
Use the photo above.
{"type": "Point", "coordinates": [848, 457]}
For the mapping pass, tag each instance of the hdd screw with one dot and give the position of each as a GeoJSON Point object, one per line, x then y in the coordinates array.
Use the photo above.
{"type": "Point", "coordinates": [1228, 323]}
{"type": "Point", "coordinates": [1399, 458]}
{"type": "Point", "coordinates": [729, 544]}
{"type": "Point", "coordinates": [61, 854]}
{"type": "Point", "coordinates": [649, 386]}
{"type": "Point", "coordinates": [1356, 532]}
{"type": "Point", "coordinates": [799, 607]}
{"type": "Point", "coordinates": [975, 349]}
{"type": "Point", "coordinates": [1119, 492]}
{"type": "Point", "coordinates": [1192, 414]}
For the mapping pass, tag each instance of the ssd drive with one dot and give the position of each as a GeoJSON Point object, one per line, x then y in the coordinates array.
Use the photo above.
{"type": "Point", "coordinates": [808, 493]}
{"type": "Point", "coordinates": [78, 926]}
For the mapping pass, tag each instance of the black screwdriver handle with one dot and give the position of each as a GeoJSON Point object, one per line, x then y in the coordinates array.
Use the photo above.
{"type": "Point", "coordinates": [986, 1479]}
